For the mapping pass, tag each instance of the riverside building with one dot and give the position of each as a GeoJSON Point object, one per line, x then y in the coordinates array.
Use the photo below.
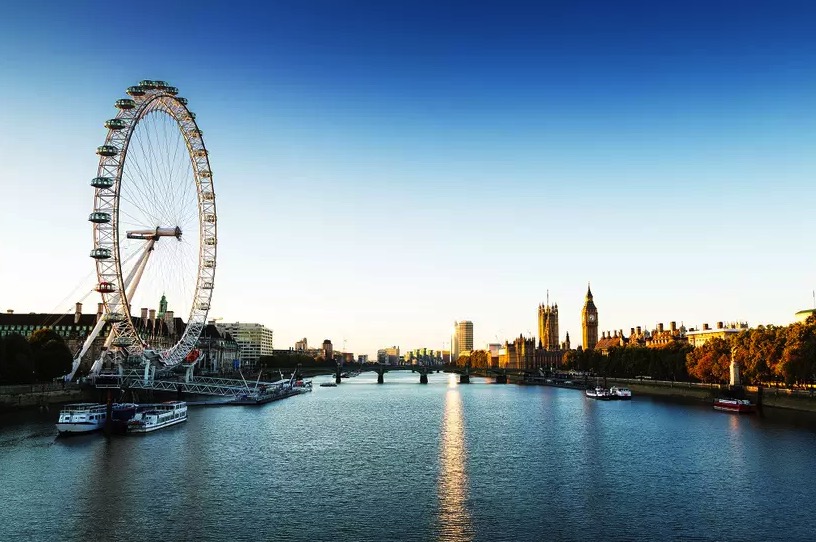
{"type": "Point", "coordinates": [254, 340]}
{"type": "Point", "coordinates": [462, 338]}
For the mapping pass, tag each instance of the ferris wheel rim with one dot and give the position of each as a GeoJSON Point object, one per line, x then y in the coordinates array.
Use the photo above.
{"type": "Point", "coordinates": [158, 100]}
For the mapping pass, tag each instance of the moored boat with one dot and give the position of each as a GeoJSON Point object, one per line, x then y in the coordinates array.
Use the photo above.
{"type": "Point", "coordinates": [81, 418]}
{"type": "Point", "coordinates": [328, 385]}
{"type": "Point", "coordinates": [740, 406]}
{"type": "Point", "coordinates": [302, 386]}
{"type": "Point", "coordinates": [617, 392]}
{"type": "Point", "coordinates": [157, 416]}
{"type": "Point", "coordinates": [598, 393]}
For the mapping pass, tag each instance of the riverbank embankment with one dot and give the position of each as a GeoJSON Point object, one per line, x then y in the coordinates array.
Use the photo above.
{"type": "Point", "coordinates": [773, 397]}
{"type": "Point", "coordinates": [24, 396]}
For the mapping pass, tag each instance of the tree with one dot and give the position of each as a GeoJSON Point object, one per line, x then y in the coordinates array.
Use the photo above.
{"type": "Point", "coordinates": [479, 359]}
{"type": "Point", "coordinates": [50, 355]}
{"type": "Point", "coordinates": [16, 365]}
{"type": "Point", "coordinates": [710, 362]}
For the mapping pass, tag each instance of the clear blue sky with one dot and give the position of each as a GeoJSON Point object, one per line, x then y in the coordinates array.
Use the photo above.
{"type": "Point", "coordinates": [385, 168]}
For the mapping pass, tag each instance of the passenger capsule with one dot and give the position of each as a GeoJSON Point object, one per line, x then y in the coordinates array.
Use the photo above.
{"type": "Point", "coordinates": [161, 85]}
{"type": "Point", "coordinates": [147, 84]}
{"type": "Point", "coordinates": [200, 153]}
{"type": "Point", "coordinates": [207, 196]}
{"type": "Point", "coordinates": [209, 241]}
{"type": "Point", "coordinates": [107, 150]}
{"type": "Point", "coordinates": [105, 288]}
{"type": "Point", "coordinates": [114, 317]}
{"type": "Point", "coordinates": [101, 182]}
{"type": "Point", "coordinates": [125, 103]}
{"type": "Point", "coordinates": [209, 264]}
{"type": "Point", "coordinates": [115, 124]}
{"type": "Point", "coordinates": [99, 217]}
{"type": "Point", "coordinates": [209, 218]}
{"type": "Point", "coordinates": [172, 91]}
{"type": "Point", "coordinates": [101, 253]}
{"type": "Point", "coordinates": [182, 101]}
{"type": "Point", "coordinates": [136, 91]}
{"type": "Point", "coordinates": [205, 173]}
{"type": "Point", "coordinates": [207, 285]}
{"type": "Point", "coordinates": [195, 133]}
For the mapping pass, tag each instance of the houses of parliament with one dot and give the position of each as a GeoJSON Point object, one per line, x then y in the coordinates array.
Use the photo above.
{"type": "Point", "coordinates": [523, 352]}
{"type": "Point", "coordinates": [548, 336]}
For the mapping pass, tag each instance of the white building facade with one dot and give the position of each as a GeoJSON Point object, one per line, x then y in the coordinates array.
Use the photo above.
{"type": "Point", "coordinates": [254, 341]}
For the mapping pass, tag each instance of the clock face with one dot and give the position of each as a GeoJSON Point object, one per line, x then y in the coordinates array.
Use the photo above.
{"type": "Point", "coordinates": [591, 318]}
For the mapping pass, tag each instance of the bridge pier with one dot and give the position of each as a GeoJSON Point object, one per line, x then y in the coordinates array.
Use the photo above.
{"type": "Point", "coordinates": [337, 378]}
{"type": "Point", "coordinates": [501, 379]}
{"type": "Point", "coordinates": [464, 378]}
{"type": "Point", "coordinates": [380, 377]}
{"type": "Point", "coordinates": [423, 378]}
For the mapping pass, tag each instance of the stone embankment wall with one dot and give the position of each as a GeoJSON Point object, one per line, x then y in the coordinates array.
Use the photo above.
{"type": "Point", "coordinates": [771, 397]}
{"type": "Point", "coordinates": [38, 395]}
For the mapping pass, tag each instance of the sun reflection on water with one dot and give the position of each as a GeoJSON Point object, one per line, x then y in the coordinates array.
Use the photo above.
{"type": "Point", "coordinates": [455, 523]}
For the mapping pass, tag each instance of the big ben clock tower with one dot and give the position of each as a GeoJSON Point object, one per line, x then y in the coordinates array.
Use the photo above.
{"type": "Point", "coordinates": [589, 322]}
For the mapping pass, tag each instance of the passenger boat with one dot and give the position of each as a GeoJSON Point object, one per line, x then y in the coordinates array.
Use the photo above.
{"type": "Point", "coordinates": [81, 418]}
{"type": "Point", "coordinates": [156, 416]}
{"type": "Point", "coordinates": [328, 385]}
{"type": "Point", "coordinates": [598, 393]}
{"type": "Point", "coordinates": [740, 406]}
{"type": "Point", "coordinates": [620, 393]}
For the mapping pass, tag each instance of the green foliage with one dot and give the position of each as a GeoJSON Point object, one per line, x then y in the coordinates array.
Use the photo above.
{"type": "Point", "coordinates": [51, 356]}
{"type": "Point", "coordinates": [15, 360]}
{"type": "Point", "coordinates": [662, 363]}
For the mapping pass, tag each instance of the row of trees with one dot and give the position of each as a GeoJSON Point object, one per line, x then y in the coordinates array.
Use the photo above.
{"type": "Point", "coordinates": [41, 358]}
{"type": "Point", "coordinates": [661, 363]}
{"type": "Point", "coordinates": [765, 354]}
{"type": "Point", "coordinates": [478, 359]}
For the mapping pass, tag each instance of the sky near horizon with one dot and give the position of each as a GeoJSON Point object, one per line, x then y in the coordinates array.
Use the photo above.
{"type": "Point", "coordinates": [385, 168]}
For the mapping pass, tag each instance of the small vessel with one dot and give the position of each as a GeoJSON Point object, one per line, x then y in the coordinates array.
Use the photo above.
{"type": "Point", "coordinates": [598, 393]}
{"type": "Point", "coordinates": [740, 406]}
{"type": "Point", "coordinates": [328, 385]}
{"type": "Point", "coordinates": [81, 418]}
{"type": "Point", "coordinates": [620, 393]}
{"type": "Point", "coordinates": [302, 386]}
{"type": "Point", "coordinates": [156, 416]}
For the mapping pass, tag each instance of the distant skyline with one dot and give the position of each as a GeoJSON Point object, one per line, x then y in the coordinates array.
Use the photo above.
{"type": "Point", "coordinates": [385, 169]}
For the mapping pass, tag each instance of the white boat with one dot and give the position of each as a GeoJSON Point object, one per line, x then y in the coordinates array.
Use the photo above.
{"type": "Point", "coordinates": [620, 393]}
{"type": "Point", "coordinates": [598, 393]}
{"type": "Point", "coordinates": [81, 418]}
{"type": "Point", "coordinates": [158, 415]}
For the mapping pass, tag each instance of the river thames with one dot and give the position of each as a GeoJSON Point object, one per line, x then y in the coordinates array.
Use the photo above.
{"type": "Point", "coordinates": [402, 461]}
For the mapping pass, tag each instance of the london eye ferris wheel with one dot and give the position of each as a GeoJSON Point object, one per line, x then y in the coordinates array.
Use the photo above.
{"type": "Point", "coordinates": [154, 223]}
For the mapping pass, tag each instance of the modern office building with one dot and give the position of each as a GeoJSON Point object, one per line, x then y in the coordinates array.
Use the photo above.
{"type": "Point", "coordinates": [462, 338]}
{"type": "Point", "coordinates": [254, 340]}
{"type": "Point", "coordinates": [389, 356]}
